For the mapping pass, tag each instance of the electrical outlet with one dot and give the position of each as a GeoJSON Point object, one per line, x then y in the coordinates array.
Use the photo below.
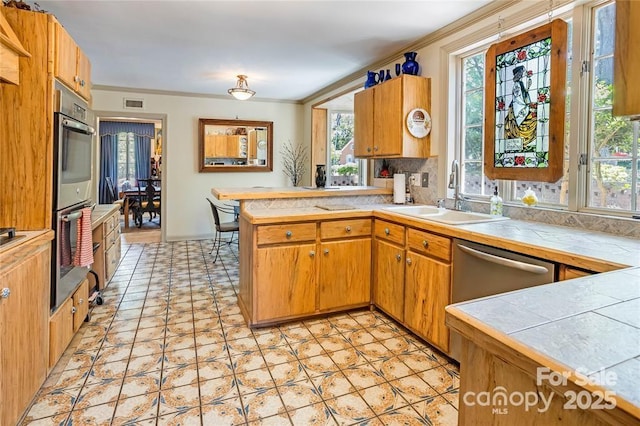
{"type": "Point", "coordinates": [415, 179]}
{"type": "Point", "coordinates": [425, 180]}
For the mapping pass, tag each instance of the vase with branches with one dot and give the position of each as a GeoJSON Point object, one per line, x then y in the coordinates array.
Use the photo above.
{"type": "Point", "coordinates": [294, 162]}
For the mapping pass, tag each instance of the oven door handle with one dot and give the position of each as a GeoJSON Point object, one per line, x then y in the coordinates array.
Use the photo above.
{"type": "Point", "coordinates": [509, 263]}
{"type": "Point", "coordinates": [79, 127]}
{"type": "Point", "coordinates": [71, 216]}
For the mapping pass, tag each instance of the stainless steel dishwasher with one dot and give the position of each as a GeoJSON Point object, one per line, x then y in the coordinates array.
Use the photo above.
{"type": "Point", "coordinates": [480, 271]}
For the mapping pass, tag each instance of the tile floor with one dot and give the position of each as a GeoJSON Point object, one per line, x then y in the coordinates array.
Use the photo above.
{"type": "Point", "coordinates": [169, 347]}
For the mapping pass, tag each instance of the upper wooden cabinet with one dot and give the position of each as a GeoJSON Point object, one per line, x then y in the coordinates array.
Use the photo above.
{"type": "Point", "coordinates": [626, 94]}
{"type": "Point", "coordinates": [72, 67]}
{"type": "Point", "coordinates": [380, 122]}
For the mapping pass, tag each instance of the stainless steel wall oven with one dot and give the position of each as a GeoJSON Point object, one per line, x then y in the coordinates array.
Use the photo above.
{"type": "Point", "coordinates": [72, 183]}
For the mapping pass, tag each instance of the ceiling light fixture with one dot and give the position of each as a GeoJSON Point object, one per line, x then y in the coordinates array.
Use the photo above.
{"type": "Point", "coordinates": [241, 91]}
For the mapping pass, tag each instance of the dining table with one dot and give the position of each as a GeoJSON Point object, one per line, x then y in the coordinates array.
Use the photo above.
{"type": "Point", "coordinates": [130, 193]}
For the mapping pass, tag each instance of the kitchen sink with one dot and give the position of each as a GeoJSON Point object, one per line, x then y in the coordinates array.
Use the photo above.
{"type": "Point", "coordinates": [442, 215]}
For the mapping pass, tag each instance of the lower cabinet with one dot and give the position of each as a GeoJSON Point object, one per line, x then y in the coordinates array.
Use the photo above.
{"type": "Point", "coordinates": [24, 315]}
{"type": "Point", "coordinates": [107, 256]}
{"type": "Point", "coordinates": [300, 269]}
{"type": "Point", "coordinates": [345, 274]}
{"type": "Point", "coordinates": [285, 281]}
{"type": "Point", "coordinates": [388, 288]}
{"type": "Point", "coordinates": [66, 320]}
{"type": "Point", "coordinates": [412, 281]}
{"type": "Point", "coordinates": [566, 272]}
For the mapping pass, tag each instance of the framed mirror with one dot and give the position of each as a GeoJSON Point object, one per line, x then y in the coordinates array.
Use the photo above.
{"type": "Point", "coordinates": [235, 145]}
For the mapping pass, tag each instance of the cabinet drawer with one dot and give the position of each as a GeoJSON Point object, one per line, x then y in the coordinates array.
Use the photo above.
{"type": "Point", "coordinates": [389, 231]}
{"type": "Point", "coordinates": [112, 238]}
{"type": "Point", "coordinates": [345, 228]}
{"type": "Point", "coordinates": [273, 234]}
{"type": "Point", "coordinates": [110, 223]}
{"type": "Point", "coordinates": [111, 260]}
{"type": "Point", "coordinates": [430, 244]}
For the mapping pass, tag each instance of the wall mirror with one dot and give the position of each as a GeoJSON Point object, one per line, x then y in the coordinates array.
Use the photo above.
{"type": "Point", "coordinates": [235, 145]}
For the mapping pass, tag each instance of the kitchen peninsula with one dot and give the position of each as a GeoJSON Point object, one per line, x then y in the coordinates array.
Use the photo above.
{"type": "Point", "coordinates": [287, 271]}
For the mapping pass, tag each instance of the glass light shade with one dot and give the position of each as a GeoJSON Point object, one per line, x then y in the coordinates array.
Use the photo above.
{"type": "Point", "coordinates": [241, 91]}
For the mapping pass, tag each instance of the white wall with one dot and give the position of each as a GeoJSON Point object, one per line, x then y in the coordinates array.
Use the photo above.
{"type": "Point", "coordinates": [186, 212]}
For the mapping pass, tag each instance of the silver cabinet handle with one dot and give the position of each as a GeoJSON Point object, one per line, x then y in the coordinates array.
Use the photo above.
{"type": "Point", "coordinates": [387, 231]}
{"type": "Point", "coordinates": [375, 148]}
{"type": "Point", "coordinates": [398, 257]}
{"type": "Point", "coordinates": [289, 234]}
{"type": "Point", "coordinates": [425, 243]}
{"type": "Point", "coordinates": [348, 229]}
{"type": "Point", "coordinates": [408, 261]}
{"type": "Point", "coordinates": [73, 310]}
{"type": "Point", "coordinates": [312, 253]}
{"type": "Point", "coordinates": [534, 269]}
{"type": "Point", "coordinates": [326, 251]}
{"type": "Point", "coordinates": [80, 301]}
{"type": "Point", "coordinates": [6, 292]}
{"type": "Point", "coordinates": [369, 149]}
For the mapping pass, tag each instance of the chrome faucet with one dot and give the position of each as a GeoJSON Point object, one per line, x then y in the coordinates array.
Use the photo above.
{"type": "Point", "coordinates": [454, 183]}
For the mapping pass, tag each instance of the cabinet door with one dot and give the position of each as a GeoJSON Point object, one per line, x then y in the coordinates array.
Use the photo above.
{"type": "Point", "coordinates": [388, 290]}
{"type": "Point", "coordinates": [345, 273]}
{"type": "Point", "coordinates": [427, 292]}
{"type": "Point", "coordinates": [81, 305]}
{"type": "Point", "coordinates": [66, 57]}
{"type": "Point", "coordinates": [60, 331]}
{"type": "Point", "coordinates": [24, 315]}
{"type": "Point", "coordinates": [84, 75]}
{"type": "Point", "coordinates": [285, 281]}
{"type": "Point", "coordinates": [363, 123]}
{"type": "Point", "coordinates": [388, 122]}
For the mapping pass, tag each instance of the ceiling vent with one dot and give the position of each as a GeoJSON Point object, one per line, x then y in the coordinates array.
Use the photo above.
{"type": "Point", "coordinates": [130, 103]}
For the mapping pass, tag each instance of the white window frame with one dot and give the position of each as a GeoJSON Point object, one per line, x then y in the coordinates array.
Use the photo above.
{"type": "Point", "coordinates": [582, 17]}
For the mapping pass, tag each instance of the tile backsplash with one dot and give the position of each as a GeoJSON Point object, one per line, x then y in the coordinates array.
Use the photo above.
{"type": "Point", "coordinates": [593, 222]}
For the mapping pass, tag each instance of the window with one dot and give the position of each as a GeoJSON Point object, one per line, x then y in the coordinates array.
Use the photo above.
{"type": "Point", "coordinates": [126, 159]}
{"type": "Point", "coordinates": [613, 167]}
{"type": "Point", "coordinates": [345, 169]}
{"type": "Point", "coordinates": [611, 179]}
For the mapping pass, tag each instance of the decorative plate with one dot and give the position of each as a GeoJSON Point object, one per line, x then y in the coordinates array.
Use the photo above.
{"type": "Point", "coordinates": [419, 123]}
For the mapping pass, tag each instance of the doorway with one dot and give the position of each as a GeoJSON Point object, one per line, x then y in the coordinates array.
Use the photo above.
{"type": "Point", "coordinates": [131, 150]}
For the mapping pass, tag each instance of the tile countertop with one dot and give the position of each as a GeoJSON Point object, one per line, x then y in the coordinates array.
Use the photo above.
{"type": "Point", "coordinates": [591, 250]}
{"type": "Point", "coordinates": [260, 193]}
{"type": "Point", "coordinates": [588, 325]}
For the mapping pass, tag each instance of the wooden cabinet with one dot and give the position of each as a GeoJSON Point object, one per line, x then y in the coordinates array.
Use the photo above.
{"type": "Point", "coordinates": [412, 280]}
{"type": "Point", "coordinates": [24, 316]}
{"type": "Point", "coordinates": [295, 270]}
{"type": "Point", "coordinates": [66, 321]}
{"type": "Point", "coordinates": [380, 116]}
{"type": "Point", "coordinates": [26, 165]}
{"type": "Point", "coordinates": [285, 282]}
{"type": "Point", "coordinates": [566, 272]}
{"type": "Point", "coordinates": [71, 66]}
{"type": "Point", "coordinates": [389, 255]}
{"type": "Point", "coordinates": [222, 146]}
{"type": "Point", "coordinates": [285, 271]}
{"type": "Point", "coordinates": [345, 264]}
{"type": "Point", "coordinates": [427, 286]}
{"type": "Point", "coordinates": [626, 96]}
{"type": "Point", "coordinates": [107, 256]}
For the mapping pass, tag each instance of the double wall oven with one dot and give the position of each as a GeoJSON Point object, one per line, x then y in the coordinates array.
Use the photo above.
{"type": "Point", "coordinates": [72, 183]}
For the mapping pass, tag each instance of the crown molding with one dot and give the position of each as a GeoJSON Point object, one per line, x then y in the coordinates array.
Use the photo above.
{"type": "Point", "coordinates": [107, 88]}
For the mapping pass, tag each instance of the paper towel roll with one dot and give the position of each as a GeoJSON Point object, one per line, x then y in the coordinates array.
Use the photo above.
{"type": "Point", "coordinates": [398, 188]}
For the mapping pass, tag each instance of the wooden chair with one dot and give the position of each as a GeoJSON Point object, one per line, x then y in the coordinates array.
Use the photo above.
{"type": "Point", "coordinates": [222, 227]}
{"type": "Point", "coordinates": [148, 201]}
